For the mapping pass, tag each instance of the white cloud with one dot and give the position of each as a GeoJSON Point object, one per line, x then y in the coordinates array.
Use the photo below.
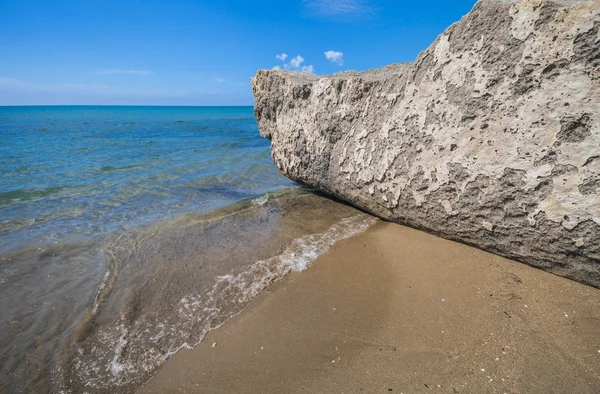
{"type": "Point", "coordinates": [296, 62]}
{"type": "Point", "coordinates": [338, 7]}
{"type": "Point", "coordinates": [131, 72]}
{"type": "Point", "coordinates": [220, 80]}
{"type": "Point", "coordinates": [308, 69]}
{"type": "Point", "coordinates": [335, 57]}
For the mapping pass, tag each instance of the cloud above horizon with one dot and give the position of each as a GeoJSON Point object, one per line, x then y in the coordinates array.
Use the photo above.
{"type": "Point", "coordinates": [87, 89]}
{"type": "Point", "coordinates": [308, 69]}
{"type": "Point", "coordinates": [24, 92]}
{"type": "Point", "coordinates": [335, 57]}
{"type": "Point", "coordinates": [338, 7]}
{"type": "Point", "coordinates": [294, 64]}
{"type": "Point", "coordinates": [130, 72]}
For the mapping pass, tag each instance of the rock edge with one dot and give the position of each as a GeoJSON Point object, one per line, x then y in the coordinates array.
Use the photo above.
{"type": "Point", "coordinates": [491, 137]}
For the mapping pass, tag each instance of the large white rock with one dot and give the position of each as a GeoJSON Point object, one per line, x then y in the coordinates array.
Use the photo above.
{"type": "Point", "coordinates": [492, 137]}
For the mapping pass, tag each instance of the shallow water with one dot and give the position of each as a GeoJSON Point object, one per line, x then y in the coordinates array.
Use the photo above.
{"type": "Point", "coordinates": [91, 170]}
{"type": "Point", "coordinates": [127, 233]}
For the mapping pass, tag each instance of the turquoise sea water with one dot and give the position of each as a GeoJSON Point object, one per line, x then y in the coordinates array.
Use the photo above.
{"type": "Point", "coordinates": [80, 171]}
{"type": "Point", "coordinates": [127, 233]}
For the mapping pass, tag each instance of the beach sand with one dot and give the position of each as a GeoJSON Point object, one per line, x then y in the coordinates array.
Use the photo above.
{"type": "Point", "coordinates": [397, 310]}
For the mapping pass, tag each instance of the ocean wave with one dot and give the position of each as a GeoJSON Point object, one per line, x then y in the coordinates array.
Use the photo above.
{"type": "Point", "coordinates": [119, 168]}
{"type": "Point", "coordinates": [29, 194]}
{"type": "Point", "coordinates": [121, 353]}
{"type": "Point", "coordinates": [261, 200]}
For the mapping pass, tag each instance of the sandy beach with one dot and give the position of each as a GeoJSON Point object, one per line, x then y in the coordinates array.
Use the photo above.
{"type": "Point", "coordinates": [322, 196]}
{"type": "Point", "coordinates": [397, 310]}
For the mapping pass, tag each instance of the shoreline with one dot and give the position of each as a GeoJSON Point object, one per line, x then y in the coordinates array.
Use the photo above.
{"type": "Point", "coordinates": [160, 287]}
{"type": "Point", "coordinates": [166, 285]}
{"type": "Point", "coordinates": [396, 309]}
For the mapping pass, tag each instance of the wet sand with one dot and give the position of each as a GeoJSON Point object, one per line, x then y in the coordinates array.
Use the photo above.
{"type": "Point", "coordinates": [397, 310]}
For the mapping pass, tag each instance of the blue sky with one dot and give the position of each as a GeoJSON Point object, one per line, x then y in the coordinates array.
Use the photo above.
{"type": "Point", "coordinates": [194, 52]}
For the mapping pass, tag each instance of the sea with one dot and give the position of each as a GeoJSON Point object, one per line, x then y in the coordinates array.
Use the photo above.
{"type": "Point", "coordinates": [127, 233]}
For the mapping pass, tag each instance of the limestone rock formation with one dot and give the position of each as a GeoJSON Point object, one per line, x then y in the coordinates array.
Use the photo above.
{"type": "Point", "coordinates": [491, 137]}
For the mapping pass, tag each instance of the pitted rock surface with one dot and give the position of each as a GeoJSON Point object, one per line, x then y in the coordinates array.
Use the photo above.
{"type": "Point", "coordinates": [491, 137]}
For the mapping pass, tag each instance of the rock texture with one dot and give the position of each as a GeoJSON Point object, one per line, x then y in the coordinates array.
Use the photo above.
{"type": "Point", "coordinates": [492, 137]}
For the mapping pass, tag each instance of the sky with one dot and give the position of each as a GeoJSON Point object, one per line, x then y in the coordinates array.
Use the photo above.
{"type": "Point", "coordinates": [198, 52]}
